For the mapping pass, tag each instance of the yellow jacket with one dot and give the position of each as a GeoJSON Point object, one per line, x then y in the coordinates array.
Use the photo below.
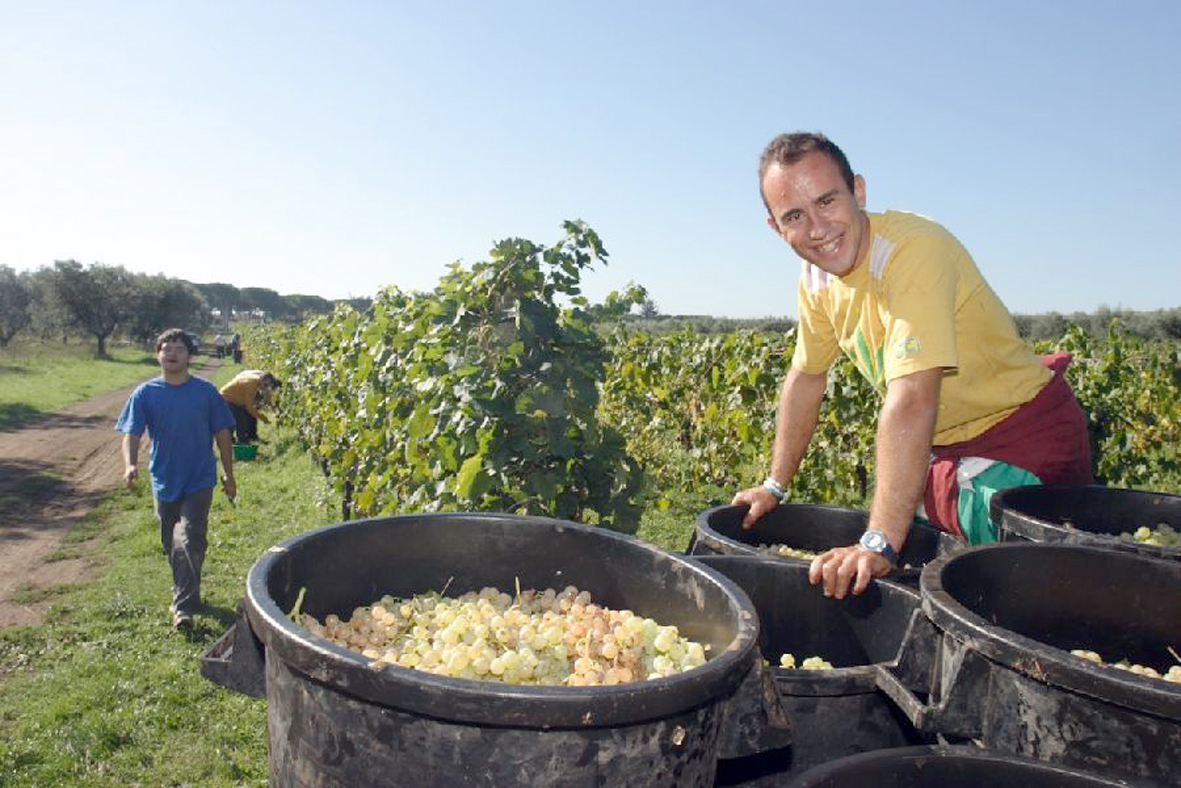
{"type": "Point", "coordinates": [243, 391]}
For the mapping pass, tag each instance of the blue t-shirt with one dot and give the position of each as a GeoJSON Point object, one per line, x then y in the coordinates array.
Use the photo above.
{"type": "Point", "coordinates": [181, 422]}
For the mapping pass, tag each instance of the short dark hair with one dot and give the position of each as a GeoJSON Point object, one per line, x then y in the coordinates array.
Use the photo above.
{"type": "Point", "coordinates": [274, 381]}
{"type": "Point", "coordinates": [787, 149]}
{"type": "Point", "coordinates": [176, 335]}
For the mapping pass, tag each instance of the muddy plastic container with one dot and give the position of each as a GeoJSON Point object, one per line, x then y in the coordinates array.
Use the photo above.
{"type": "Point", "coordinates": [334, 721]}
{"type": "Point", "coordinates": [835, 712]}
{"type": "Point", "coordinates": [1007, 617]}
{"type": "Point", "coordinates": [945, 767]}
{"type": "Point", "coordinates": [813, 527]}
{"type": "Point", "coordinates": [1087, 514]}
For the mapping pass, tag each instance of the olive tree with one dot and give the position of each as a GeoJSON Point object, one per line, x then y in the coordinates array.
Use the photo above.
{"type": "Point", "coordinates": [16, 298]}
{"type": "Point", "coordinates": [99, 298]}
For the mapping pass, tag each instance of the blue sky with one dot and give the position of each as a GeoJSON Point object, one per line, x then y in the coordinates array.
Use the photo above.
{"type": "Point", "coordinates": [335, 148]}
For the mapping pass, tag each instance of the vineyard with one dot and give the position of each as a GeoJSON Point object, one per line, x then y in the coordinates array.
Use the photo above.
{"type": "Point", "coordinates": [504, 390]}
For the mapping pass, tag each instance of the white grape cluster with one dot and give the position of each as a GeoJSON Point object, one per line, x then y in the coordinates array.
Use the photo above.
{"type": "Point", "coordinates": [1162, 536]}
{"type": "Point", "coordinates": [538, 637]}
{"type": "Point", "coordinates": [787, 551]}
{"type": "Point", "coordinates": [809, 663]}
{"type": "Point", "coordinates": [788, 660]}
{"type": "Point", "coordinates": [1173, 674]}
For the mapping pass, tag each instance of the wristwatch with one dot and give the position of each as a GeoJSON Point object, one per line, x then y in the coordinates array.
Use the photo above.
{"type": "Point", "coordinates": [775, 488]}
{"type": "Point", "coordinates": [875, 541]}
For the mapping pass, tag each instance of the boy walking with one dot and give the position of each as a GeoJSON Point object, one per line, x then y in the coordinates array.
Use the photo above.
{"type": "Point", "coordinates": [183, 415]}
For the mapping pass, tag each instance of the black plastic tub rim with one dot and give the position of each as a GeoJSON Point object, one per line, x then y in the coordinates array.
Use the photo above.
{"type": "Point", "coordinates": [1038, 659]}
{"type": "Point", "coordinates": [924, 536]}
{"type": "Point", "coordinates": [703, 521]}
{"type": "Point", "coordinates": [485, 702]}
{"type": "Point", "coordinates": [1019, 511]}
{"type": "Point", "coordinates": [900, 765]}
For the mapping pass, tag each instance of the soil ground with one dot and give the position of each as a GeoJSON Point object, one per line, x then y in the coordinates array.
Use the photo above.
{"type": "Point", "coordinates": [52, 474]}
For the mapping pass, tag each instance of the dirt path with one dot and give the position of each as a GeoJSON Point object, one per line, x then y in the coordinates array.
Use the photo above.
{"type": "Point", "coordinates": [52, 473]}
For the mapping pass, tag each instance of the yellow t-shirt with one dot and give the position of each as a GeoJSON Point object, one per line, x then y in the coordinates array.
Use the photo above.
{"type": "Point", "coordinates": [243, 392]}
{"type": "Point", "coordinates": [916, 302]}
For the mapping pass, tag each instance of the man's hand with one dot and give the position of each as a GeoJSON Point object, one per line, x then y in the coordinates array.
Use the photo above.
{"type": "Point", "coordinates": [842, 566]}
{"type": "Point", "coordinates": [227, 483]}
{"type": "Point", "coordinates": [130, 474]}
{"type": "Point", "coordinates": [760, 501]}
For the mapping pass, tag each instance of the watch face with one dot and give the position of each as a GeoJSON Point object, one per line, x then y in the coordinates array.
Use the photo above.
{"type": "Point", "coordinates": [873, 540]}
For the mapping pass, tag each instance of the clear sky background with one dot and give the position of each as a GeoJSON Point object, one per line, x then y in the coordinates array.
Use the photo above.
{"type": "Point", "coordinates": [333, 148]}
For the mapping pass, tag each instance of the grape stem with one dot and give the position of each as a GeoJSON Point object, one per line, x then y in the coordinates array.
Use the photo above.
{"type": "Point", "coordinates": [294, 614]}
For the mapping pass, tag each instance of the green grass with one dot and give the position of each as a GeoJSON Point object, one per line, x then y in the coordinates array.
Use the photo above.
{"type": "Point", "coordinates": [41, 378]}
{"type": "Point", "coordinates": [105, 693]}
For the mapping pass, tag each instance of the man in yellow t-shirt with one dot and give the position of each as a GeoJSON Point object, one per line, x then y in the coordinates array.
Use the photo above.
{"type": "Point", "coordinates": [249, 389]}
{"type": "Point", "coordinates": [900, 296]}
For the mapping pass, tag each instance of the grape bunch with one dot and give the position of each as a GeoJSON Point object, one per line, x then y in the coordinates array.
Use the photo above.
{"type": "Point", "coordinates": [788, 660]}
{"type": "Point", "coordinates": [809, 663]}
{"type": "Point", "coordinates": [1173, 674]}
{"type": "Point", "coordinates": [1164, 535]}
{"type": "Point", "coordinates": [786, 551]}
{"type": "Point", "coordinates": [549, 638]}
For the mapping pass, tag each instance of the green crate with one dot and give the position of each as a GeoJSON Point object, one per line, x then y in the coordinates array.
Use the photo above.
{"type": "Point", "coordinates": [245, 451]}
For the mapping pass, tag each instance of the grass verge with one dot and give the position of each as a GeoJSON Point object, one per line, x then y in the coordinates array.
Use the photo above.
{"type": "Point", "coordinates": [106, 693]}
{"type": "Point", "coordinates": [38, 379]}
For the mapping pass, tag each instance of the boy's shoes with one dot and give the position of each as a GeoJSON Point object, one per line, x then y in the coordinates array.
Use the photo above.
{"type": "Point", "coordinates": [182, 621]}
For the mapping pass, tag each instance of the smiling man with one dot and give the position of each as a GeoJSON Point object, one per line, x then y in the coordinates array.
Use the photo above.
{"type": "Point", "coordinates": [967, 408]}
{"type": "Point", "coordinates": [183, 415]}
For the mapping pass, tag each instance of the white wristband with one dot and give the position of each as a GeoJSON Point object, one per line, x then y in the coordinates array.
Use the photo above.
{"type": "Point", "coordinates": [773, 487]}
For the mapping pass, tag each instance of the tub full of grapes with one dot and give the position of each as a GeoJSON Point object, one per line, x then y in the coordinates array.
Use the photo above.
{"type": "Point", "coordinates": [443, 649]}
{"type": "Point", "coordinates": [1137, 521]}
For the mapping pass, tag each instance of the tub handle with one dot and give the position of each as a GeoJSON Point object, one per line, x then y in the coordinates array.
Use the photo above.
{"type": "Point", "coordinates": [754, 720]}
{"type": "Point", "coordinates": [236, 660]}
{"type": "Point", "coordinates": [949, 674]}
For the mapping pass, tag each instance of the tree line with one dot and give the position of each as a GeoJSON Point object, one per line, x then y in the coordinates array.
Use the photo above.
{"type": "Point", "coordinates": [104, 302]}
{"type": "Point", "coordinates": [1149, 324]}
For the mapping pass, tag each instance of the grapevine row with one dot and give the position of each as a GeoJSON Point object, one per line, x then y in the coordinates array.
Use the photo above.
{"type": "Point", "coordinates": [504, 389]}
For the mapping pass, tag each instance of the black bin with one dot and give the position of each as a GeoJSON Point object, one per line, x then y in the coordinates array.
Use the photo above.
{"type": "Point", "coordinates": [1008, 616]}
{"type": "Point", "coordinates": [836, 712]}
{"type": "Point", "coordinates": [1087, 514]}
{"type": "Point", "coordinates": [814, 527]}
{"type": "Point", "coordinates": [945, 767]}
{"type": "Point", "coordinates": [334, 721]}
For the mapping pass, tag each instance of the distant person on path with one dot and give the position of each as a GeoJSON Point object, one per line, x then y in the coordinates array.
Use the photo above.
{"type": "Point", "coordinates": [235, 347]}
{"type": "Point", "coordinates": [184, 415]}
{"type": "Point", "coordinates": [967, 407]}
{"type": "Point", "coordinates": [246, 394]}
{"type": "Point", "coordinates": [219, 346]}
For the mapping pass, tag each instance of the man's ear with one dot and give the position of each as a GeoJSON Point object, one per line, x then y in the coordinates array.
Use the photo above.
{"type": "Point", "coordinates": [859, 191]}
{"type": "Point", "coordinates": [773, 225]}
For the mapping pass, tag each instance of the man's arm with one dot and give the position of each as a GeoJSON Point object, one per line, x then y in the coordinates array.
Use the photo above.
{"type": "Point", "coordinates": [905, 428]}
{"type": "Point", "coordinates": [225, 447]}
{"type": "Point", "coordinates": [130, 458]}
{"type": "Point", "coordinates": [252, 397]}
{"type": "Point", "coordinates": [799, 409]}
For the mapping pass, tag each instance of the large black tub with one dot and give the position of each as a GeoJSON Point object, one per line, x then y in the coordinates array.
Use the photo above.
{"type": "Point", "coordinates": [945, 767]}
{"type": "Point", "coordinates": [835, 712]}
{"type": "Point", "coordinates": [1087, 514]}
{"type": "Point", "coordinates": [1008, 616]}
{"type": "Point", "coordinates": [334, 721]}
{"type": "Point", "coordinates": [813, 527]}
